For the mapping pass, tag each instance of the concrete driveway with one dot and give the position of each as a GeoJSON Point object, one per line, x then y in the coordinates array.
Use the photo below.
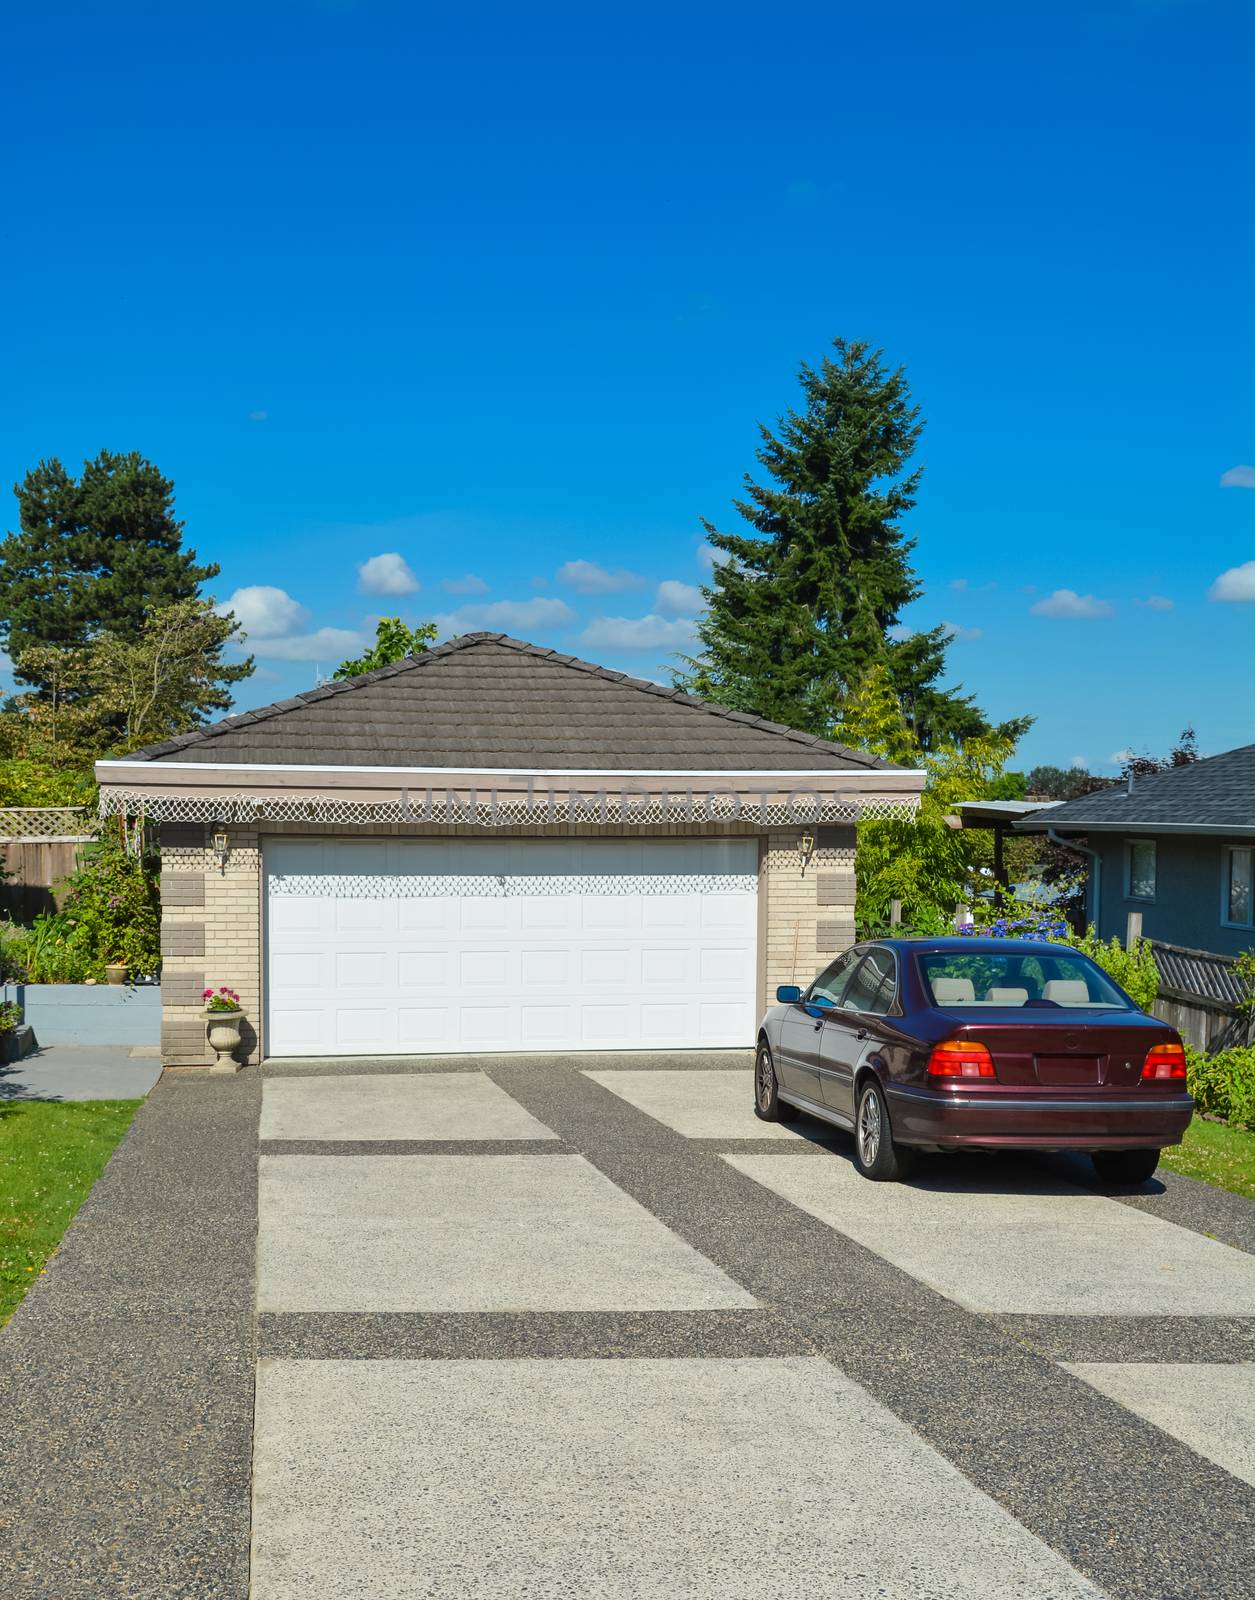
{"type": "Point", "coordinates": [588, 1328]}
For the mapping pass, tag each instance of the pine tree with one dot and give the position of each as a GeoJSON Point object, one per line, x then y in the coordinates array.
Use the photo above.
{"type": "Point", "coordinates": [800, 608]}
{"type": "Point", "coordinates": [94, 554]}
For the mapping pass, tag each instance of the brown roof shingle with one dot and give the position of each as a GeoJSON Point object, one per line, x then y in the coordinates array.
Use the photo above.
{"type": "Point", "coordinates": [486, 700]}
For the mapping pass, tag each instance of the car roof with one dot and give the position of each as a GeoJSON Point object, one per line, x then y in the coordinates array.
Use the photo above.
{"type": "Point", "coordinates": [974, 947]}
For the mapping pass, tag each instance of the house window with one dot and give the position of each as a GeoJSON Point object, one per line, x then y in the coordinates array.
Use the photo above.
{"type": "Point", "coordinates": [1141, 873]}
{"type": "Point", "coordinates": [1239, 887]}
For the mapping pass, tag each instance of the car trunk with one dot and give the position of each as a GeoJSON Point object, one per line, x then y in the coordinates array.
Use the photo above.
{"type": "Point", "coordinates": [1089, 1055]}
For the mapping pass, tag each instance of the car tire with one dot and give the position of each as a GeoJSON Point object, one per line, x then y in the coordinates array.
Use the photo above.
{"type": "Point", "coordinates": [875, 1154]}
{"type": "Point", "coordinates": [1120, 1167]}
{"type": "Point", "coordinates": [767, 1102]}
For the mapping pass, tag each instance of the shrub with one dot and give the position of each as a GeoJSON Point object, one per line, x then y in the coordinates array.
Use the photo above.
{"type": "Point", "coordinates": [1223, 1085]}
{"type": "Point", "coordinates": [10, 1016]}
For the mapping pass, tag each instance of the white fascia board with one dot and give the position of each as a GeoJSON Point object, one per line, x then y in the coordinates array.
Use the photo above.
{"type": "Point", "coordinates": [121, 770]}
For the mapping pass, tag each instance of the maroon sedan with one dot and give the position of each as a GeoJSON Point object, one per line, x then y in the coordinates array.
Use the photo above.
{"type": "Point", "coordinates": [950, 1044]}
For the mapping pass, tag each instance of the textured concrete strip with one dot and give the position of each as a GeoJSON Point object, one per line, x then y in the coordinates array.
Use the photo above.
{"type": "Point", "coordinates": [544, 1335]}
{"type": "Point", "coordinates": [455, 1105]}
{"type": "Point", "coordinates": [1064, 1460]}
{"type": "Point", "coordinates": [1134, 1338]}
{"type": "Point", "coordinates": [126, 1377]}
{"type": "Point", "coordinates": [700, 1105]}
{"type": "Point", "coordinates": [1211, 1408]}
{"type": "Point", "coordinates": [1075, 1253]}
{"type": "Point", "coordinates": [552, 1146]}
{"type": "Point", "coordinates": [468, 1233]}
{"type": "Point", "coordinates": [641, 1479]}
{"type": "Point", "coordinates": [801, 1146]}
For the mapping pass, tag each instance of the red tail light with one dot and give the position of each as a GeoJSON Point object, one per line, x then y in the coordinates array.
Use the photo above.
{"type": "Point", "coordinates": [960, 1058]}
{"type": "Point", "coordinates": [1164, 1061]}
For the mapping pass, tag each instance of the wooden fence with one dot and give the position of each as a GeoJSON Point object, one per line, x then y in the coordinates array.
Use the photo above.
{"type": "Point", "coordinates": [39, 846]}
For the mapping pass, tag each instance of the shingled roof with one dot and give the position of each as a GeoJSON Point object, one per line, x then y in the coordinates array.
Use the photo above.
{"type": "Point", "coordinates": [486, 700]}
{"type": "Point", "coordinates": [1216, 795]}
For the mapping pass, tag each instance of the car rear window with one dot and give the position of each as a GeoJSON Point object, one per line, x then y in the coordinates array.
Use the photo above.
{"type": "Point", "coordinates": [1050, 978]}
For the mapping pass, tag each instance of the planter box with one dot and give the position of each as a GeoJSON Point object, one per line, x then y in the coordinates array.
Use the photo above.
{"type": "Point", "coordinates": [15, 1045]}
{"type": "Point", "coordinates": [86, 1013]}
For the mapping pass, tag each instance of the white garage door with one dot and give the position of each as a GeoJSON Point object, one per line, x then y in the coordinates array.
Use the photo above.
{"type": "Point", "coordinates": [410, 947]}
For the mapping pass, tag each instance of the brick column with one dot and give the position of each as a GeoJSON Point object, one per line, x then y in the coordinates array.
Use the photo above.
{"type": "Point", "coordinates": [210, 935]}
{"type": "Point", "coordinates": [810, 903]}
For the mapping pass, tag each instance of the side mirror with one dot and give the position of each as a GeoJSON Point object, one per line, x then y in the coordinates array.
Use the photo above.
{"type": "Point", "coordinates": [788, 994]}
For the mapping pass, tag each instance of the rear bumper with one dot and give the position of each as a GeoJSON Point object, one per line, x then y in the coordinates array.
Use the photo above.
{"type": "Point", "coordinates": [1037, 1122]}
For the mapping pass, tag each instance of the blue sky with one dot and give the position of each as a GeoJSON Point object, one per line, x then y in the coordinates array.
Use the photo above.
{"type": "Point", "coordinates": [500, 295]}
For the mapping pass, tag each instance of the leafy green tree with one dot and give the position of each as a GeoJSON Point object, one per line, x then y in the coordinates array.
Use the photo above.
{"type": "Point", "coordinates": [92, 554]}
{"type": "Point", "coordinates": [393, 642]}
{"type": "Point", "coordinates": [871, 719]}
{"type": "Point", "coordinates": [801, 605]}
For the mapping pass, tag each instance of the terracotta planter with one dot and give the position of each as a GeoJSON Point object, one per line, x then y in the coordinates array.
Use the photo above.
{"type": "Point", "coordinates": [223, 1031]}
{"type": "Point", "coordinates": [116, 972]}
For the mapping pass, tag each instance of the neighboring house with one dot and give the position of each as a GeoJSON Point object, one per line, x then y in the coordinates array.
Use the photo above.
{"type": "Point", "coordinates": [496, 847]}
{"type": "Point", "coordinates": [1176, 848]}
{"type": "Point", "coordinates": [1172, 857]}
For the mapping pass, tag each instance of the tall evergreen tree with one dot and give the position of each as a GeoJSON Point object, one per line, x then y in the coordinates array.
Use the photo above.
{"type": "Point", "coordinates": [93, 554]}
{"type": "Point", "coordinates": [800, 608]}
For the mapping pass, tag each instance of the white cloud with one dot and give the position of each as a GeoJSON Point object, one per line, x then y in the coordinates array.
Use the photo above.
{"type": "Point", "coordinates": [709, 557]}
{"type": "Point", "coordinates": [1238, 583]}
{"type": "Point", "coordinates": [637, 633]}
{"type": "Point", "coordinates": [503, 616]}
{"type": "Point", "coordinates": [327, 646]}
{"type": "Point", "coordinates": [675, 599]}
{"type": "Point", "coordinates": [258, 416]}
{"type": "Point", "coordinates": [1117, 758]}
{"type": "Point", "coordinates": [958, 583]}
{"type": "Point", "coordinates": [1157, 602]}
{"type": "Point", "coordinates": [900, 631]}
{"type": "Point", "coordinates": [1080, 763]}
{"type": "Point", "coordinates": [387, 574]}
{"type": "Point", "coordinates": [1067, 603]}
{"type": "Point", "coordinates": [1241, 477]}
{"type": "Point", "coordinates": [264, 612]}
{"type": "Point", "coordinates": [468, 584]}
{"type": "Point", "coordinates": [957, 631]}
{"type": "Point", "coordinates": [586, 577]}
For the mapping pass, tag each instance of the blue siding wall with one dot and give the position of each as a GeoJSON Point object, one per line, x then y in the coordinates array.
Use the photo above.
{"type": "Point", "coordinates": [1187, 904]}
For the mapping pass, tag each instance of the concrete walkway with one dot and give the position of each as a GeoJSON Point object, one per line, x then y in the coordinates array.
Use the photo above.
{"type": "Point", "coordinates": [82, 1072]}
{"type": "Point", "coordinates": [521, 1328]}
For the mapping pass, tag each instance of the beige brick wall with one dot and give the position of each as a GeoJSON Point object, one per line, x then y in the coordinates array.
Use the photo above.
{"type": "Point", "coordinates": [810, 903]}
{"type": "Point", "coordinates": [211, 919]}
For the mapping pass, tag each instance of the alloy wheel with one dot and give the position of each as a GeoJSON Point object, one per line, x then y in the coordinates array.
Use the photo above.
{"type": "Point", "coordinates": [869, 1128]}
{"type": "Point", "coordinates": [765, 1076]}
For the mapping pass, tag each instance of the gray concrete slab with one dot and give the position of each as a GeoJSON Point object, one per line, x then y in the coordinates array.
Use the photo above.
{"type": "Point", "coordinates": [699, 1104]}
{"type": "Point", "coordinates": [455, 1105]}
{"type": "Point", "coordinates": [1209, 1406]}
{"type": "Point", "coordinates": [80, 1072]}
{"type": "Point", "coordinates": [1053, 1249]}
{"type": "Point", "coordinates": [469, 1233]}
{"type": "Point", "coordinates": [642, 1480]}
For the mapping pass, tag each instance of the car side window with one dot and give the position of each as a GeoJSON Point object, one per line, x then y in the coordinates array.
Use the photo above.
{"type": "Point", "coordinates": [874, 985]}
{"type": "Point", "coordinates": [829, 987]}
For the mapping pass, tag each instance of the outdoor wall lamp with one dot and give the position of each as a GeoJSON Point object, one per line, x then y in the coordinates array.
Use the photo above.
{"type": "Point", "coordinates": [806, 848]}
{"type": "Point", "coordinates": [221, 851]}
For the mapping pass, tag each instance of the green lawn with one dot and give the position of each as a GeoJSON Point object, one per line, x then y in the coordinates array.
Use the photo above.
{"type": "Point", "coordinates": [50, 1155]}
{"type": "Point", "coordinates": [1217, 1154]}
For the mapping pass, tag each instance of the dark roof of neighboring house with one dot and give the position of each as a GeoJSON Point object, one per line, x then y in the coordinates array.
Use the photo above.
{"type": "Point", "coordinates": [486, 700]}
{"type": "Point", "coordinates": [1216, 795]}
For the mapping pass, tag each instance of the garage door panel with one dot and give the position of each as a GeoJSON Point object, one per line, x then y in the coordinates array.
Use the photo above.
{"type": "Point", "coordinates": [429, 971]}
{"type": "Point", "coordinates": [467, 945]}
{"type": "Point", "coordinates": [547, 969]}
